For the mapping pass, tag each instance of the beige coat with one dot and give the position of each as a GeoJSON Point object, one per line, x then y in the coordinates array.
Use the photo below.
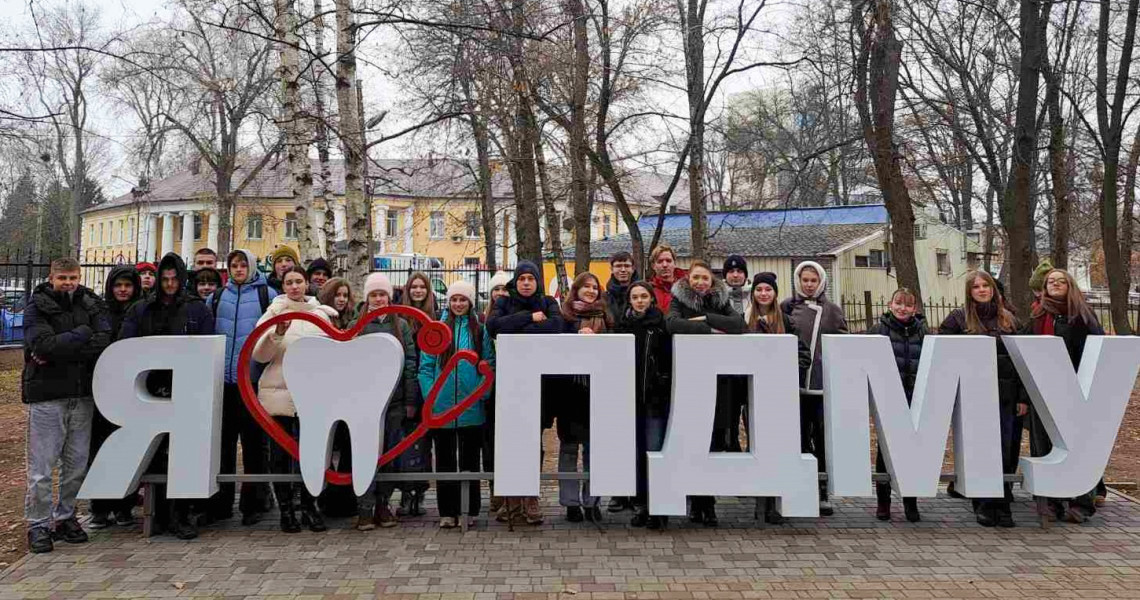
{"type": "Point", "coordinates": [270, 349]}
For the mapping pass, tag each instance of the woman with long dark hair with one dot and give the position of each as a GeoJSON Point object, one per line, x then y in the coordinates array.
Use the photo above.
{"type": "Point", "coordinates": [986, 313]}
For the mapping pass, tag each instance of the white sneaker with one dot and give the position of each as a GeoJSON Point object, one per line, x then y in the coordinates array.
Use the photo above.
{"type": "Point", "coordinates": [447, 523]}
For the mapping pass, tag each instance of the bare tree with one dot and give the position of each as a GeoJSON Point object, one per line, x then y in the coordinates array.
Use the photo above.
{"type": "Point", "coordinates": [352, 142]}
{"type": "Point", "coordinates": [296, 125]}
{"type": "Point", "coordinates": [876, 88]}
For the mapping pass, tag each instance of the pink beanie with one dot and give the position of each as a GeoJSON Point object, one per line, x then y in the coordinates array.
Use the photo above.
{"type": "Point", "coordinates": [377, 281]}
{"type": "Point", "coordinates": [462, 288]}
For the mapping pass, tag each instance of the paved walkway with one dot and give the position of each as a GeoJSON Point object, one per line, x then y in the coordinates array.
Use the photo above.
{"type": "Point", "coordinates": [850, 555]}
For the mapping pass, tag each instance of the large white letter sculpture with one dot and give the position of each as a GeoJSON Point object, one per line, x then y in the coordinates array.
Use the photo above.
{"type": "Point", "coordinates": [192, 416]}
{"type": "Point", "coordinates": [773, 465]}
{"type": "Point", "coordinates": [356, 379]}
{"type": "Point", "coordinates": [957, 376]}
{"type": "Point", "coordinates": [520, 362]}
{"type": "Point", "coordinates": [1080, 410]}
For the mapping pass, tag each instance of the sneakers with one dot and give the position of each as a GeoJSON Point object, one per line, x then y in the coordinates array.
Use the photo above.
{"type": "Point", "coordinates": [574, 514]}
{"type": "Point", "coordinates": [447, 523]}
{"type": "Point", "coordinates": [826, 509]}
{"type": "Point", "coordinates": [640, 517]}
{"type": "Point", "coordinates": [986, 516]}
{"type": "Point", "coordinates": [883, 511]}
{"type": "Point", "coordinates": [69, 531]}
{"type": "Point", "coordinates": [39, 540]}
{"type": "Point", "coordinates": [124, 518]}
{"type": "Point", "coordinates": [384, 517]}
{"type": "Point", "coordinates": [618, 504]}
{"type": "Point", "coordinates": [100, 521]}
{"type": "Point", "coordinates": [184, 528]}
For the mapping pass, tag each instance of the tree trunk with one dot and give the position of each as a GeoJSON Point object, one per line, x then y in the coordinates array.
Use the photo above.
{"type": "Point", "coordinates": [988, 238]}
{"type": "Point", "coordinates": [223, 177]}
{"type": "Point", "coordinates": [553, 226]}
{"type": "Point", "coordinates": [1110, 120]}
{"type": "Point", "coordinates": [1127, 216]}
{"type": "Point", "coordinates": [1058, 170]}
{"type": "Point", "coordinates": [296, 127]}
{"type": "Point", "coordinates": [693, 23]}
{"type": "Point", "coordinates": [486, 191]}
{"type": "Point", "coordinates": [579, 196]}
{"type": "Point", "coordinates": [526, 137]}
{"type": "Point", "coordinates": [320, 90]}
{"type": "Point", "coordinates": [1016, 205]}
{"type": "Point", "coordinates": [876, 81]}
{"type": "Point", "coordinates": [351, 130]}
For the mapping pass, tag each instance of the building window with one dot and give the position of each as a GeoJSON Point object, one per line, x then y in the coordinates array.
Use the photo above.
{"type": "Point", "coordinates": [605, 226]}
{"type": "Point", "coordinates": [435, 225]}
{"type": "Point", "coordinates": [943, 259]}
{"type": "Point", "coordinates": [471, 261]}
{"type": "Point", "coordinates": [101, 238]}
{"type": "Point", "coordinates": [471, 218]}
{"type": "Point", "coordinates": [919, 231]}
{"type": "Point", "coordinates": [197, 226]}
{"type": "Point", "coordinates": [131, 229]}
{"type": "Point", "coordinates": [91, 235]}
{"type": "Point", "coordinates": [290, 226]}
{"type": "Point", "coordinates": [119, 237]}
{"type": "Point", "coordinates": [392, 224]}
{"type": "Point", "coordinates": [253, 227]}
{"type": "Point", "coordinates": [875, 259]}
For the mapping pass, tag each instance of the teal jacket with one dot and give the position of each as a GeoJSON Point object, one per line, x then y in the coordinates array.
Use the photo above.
{"type": "Point", "coordinates": [466, 374]}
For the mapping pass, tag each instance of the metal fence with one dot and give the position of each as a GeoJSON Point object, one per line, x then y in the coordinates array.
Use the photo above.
{"type": "Point", "coordinates": [21, 273]}
{"type": "Point", "coordinates": [441, 276]}
{"type": "Point", "coordinates": [864, 311]}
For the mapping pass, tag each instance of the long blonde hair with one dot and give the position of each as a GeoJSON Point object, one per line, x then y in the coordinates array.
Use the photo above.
{"type": "Point", "coordinates": [1005, 319]}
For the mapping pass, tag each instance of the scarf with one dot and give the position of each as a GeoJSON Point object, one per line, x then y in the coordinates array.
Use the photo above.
{"type": "Point", "coordinates": [587, 314]}
{"type": "Point", "coordinates": [1045, 312]}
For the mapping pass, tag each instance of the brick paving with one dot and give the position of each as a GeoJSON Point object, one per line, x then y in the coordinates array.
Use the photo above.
{"type": "Point", "coordinates": [850, 555]}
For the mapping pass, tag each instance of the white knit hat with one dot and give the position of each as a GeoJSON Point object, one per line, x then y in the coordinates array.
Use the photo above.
{"type": "Point", "coordinates": [377, 281]}
{"type": "Point", "coordinates": [462, 288]}
{"type": "Point", "coordinates": [500, 278]}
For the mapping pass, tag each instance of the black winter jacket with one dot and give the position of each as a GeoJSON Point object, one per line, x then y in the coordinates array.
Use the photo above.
{"type": "Point", "coordinates": [654, 348]}
{"type": "Point", "coordinates": [512, 314]}
{"type": "Point", "coordinates": [1074, 332]}
{"type": "Point", "coordinates": [117, 311]}
{"type": "Point", "coordinates": [906, 344]}
{"type": "Point", "coordinates": [182, 313]}
{"type": "Point", "coordinates": [1009, 382]}
{"type": "Point", "coordinates": [63, 337]}
{"type": "Point", "coordinates": [617, 297]}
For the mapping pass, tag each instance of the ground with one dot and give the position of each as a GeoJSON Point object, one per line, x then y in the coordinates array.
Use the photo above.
{"type": "Point", "coordinates": [850, 555]}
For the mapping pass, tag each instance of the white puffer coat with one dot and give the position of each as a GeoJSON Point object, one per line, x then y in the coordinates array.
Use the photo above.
{"type": "Point", "coordinates": [270, 349]}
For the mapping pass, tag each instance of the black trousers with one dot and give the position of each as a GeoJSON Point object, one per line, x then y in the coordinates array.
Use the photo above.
{"type": "Point", "coordinates": [1011, 425]}
{"type": "Point", "coordinates": [289, 494]}
{"type": "Point", "coordinates": [456, 450]}
{"type": "Point", "coordinates": [238, 424]}
{"type": "Point", "coordinates": [340, 500]}
{"type": "Point", "coordinates": [811, 434]}
{"type": "Point", "coordinates": [101, 429]}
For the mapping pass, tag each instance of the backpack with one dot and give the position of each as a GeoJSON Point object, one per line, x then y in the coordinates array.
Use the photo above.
{"type": "Point", "coordinates": [262, 298]}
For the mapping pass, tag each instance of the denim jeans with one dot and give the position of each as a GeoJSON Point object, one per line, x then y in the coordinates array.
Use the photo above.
{"type": "Point", "coordinates": [652, 439]}
{"type": "Point", "coordinates": [574, 492]}
{"type": "Point", "coordinates": [59, 432]}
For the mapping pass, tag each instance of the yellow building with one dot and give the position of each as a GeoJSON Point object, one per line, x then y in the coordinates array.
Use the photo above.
{"type": "Point", "coordinates": [427, 210]}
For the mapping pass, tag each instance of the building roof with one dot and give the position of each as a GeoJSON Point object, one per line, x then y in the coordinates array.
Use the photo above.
{"type": "Point", "coordinates": [762, 233]}
{"type": "Point", "coordinates": [407, 178]}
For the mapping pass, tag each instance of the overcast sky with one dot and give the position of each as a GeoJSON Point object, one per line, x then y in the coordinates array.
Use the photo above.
{"type": "Point", "coordinates": [379, 92]}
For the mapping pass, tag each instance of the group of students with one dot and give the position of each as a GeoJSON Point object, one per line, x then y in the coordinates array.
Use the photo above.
{"type": "Point", "coordinates": [68, 325]}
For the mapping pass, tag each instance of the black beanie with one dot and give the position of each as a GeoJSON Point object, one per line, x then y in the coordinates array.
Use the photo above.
{"type": "Point", "coordinates": [735, 262]}
{"type": "Point", "coordinates": [766, 277]}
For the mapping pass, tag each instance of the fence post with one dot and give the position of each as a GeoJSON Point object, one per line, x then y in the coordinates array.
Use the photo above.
{"type": "Point", "coordinates": [867, 307]}
{"type": "Point", "coordinates": [28, 280]}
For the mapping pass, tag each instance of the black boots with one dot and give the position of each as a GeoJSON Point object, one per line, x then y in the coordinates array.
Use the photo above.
{"type": "Point", "coordinates": [289, 522]}
{"type": "Point", "coordinates": [311, 518]}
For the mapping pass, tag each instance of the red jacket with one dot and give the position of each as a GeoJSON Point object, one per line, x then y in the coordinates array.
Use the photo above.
{"type": "Point", "coordinates": [663, 292]}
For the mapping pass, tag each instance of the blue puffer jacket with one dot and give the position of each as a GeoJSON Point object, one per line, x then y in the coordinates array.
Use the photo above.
{"type": "Point", "coordinates": [239, 309]}
{"type": "Point", "coordinates": [467, 375]}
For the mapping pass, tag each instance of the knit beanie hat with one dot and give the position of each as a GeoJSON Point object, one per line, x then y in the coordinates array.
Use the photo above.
{"type": "Point", "coordinates": [462, 288]}
{"type": "Point", "coordinates": [319, 264]}
{"type": "Point", "coordinates": [1037, 281]}
{"type": "Point", "coordinates": [735, 262]}
{"type": "Point", "coordinates": [283, 252]}
{"type": "Point", "coordinates": [146, 266]}
{"type": "Point", "coordinates": [500, 278]}
{"type": "Point", "coordinates": [377, 281]}
{"type": "Point", "coordinates": [766, 277]}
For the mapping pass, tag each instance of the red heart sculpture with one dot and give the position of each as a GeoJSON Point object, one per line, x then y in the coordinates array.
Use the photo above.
{"type": "Point", "coordinates": [433, 338]}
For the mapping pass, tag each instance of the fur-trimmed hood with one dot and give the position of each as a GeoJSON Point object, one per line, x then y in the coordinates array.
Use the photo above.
{"type": "Point", "coordinates": [684, 293]}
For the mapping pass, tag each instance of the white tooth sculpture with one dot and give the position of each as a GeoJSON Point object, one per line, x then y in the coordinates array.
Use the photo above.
{"type": "Point", "coordinates": [349, 381]}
